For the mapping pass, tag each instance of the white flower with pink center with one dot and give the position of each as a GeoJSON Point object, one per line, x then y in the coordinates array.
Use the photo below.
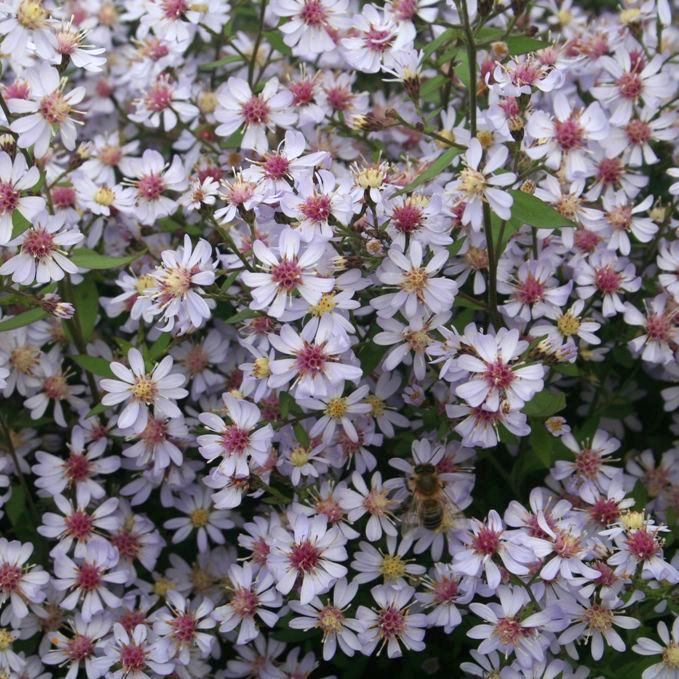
{"type": "Point", "coordinates": [42, 255]}
{"type": "Point", "coordinates": [20, 583]}
{"type": "Point", "coordinates": [250, 598]}
{"type": "Point", "coordinates": [524, 75]}
{"type": "Point", "coordinates": [313, 26]}
{"type": "Point", "coordinates": [374, 38]}
{"type": "Point", "coordinates": [241, 443]}
{"type": "Point", "coordinates": [476, 186]}
{"type": "Point", "coordinates": [15, 179]}
{"type": "Point", "coordinates": [606, 274]}
{"type": "Point", "coordinates": [496, 378]}
{"type": "Point", "coordinates": [480, 427]}
{"type": "Point", "coordinates": [152, 179]}
{"type": "Point", "coordinates": [661, 334]}
{"type": "Point", "coordinates": [330, 618]}
{"type": "Point", "coordinates": [392, 623]}
{"type": "Point", "coordinates": [315, 366]}
{"type": "Point", "coordinates": [240, 107]}
{"type": "Point", "coordinates": [309, 557]}
{"type": "Point", "coordinates": [564, 139]}
{"type": "Point", "coordinates": [292, 271]}
{"type": "Point", "coordinates": [634, 79]}
{"type": "Point", "coordinates": [165, 103]}
{"type": "Point", "coordinates": [49, 110]}
{"type": "Point", "coordinates": [157, 389]}
{"type": "Point", "coordinates": [88, 580]}
{"type": "Point", "coordinates": [668, 650]}
{"type": "Point", "coordinates": [445, 590]}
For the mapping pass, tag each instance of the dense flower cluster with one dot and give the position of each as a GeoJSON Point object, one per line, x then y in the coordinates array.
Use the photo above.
{"type": "Point", "coordinates": [337, 330]}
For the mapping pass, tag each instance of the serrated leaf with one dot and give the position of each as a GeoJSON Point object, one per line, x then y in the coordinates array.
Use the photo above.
{"type": "Point", "coordinates": [224, 61]}
{"type": "Point", "coordinates": [545, 404]}
{"type": "Point", "coordinates": [527, 209]}
{"type": "Point", "coordinates": [94, 364]}
{"type": "Point", "coordinates": [435, 168]}
{"type": "Point", "coordinates": [22, 319]}
{"type": "Point", "coordinates": [89, 259]}
{"type": "Point", "coordinates": [522, 44]}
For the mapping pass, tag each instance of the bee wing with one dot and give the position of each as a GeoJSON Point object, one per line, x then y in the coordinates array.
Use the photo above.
{"type": "Point", "coordinates": [410, 519]}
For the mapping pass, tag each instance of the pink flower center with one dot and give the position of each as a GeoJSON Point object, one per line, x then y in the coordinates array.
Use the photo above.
{"type": "Point", "coordinates": [235, 440]}
{"type": "Point", "coordinates": [568, 134]}
{"type": "Point", "coordinates": [605, 512]}
{"type": "Point", "coordinates": [77, 467]}
{"type": "Point", "coordinates": [10, 577]}
{"type": "Point", "coordinates": [150, 187]}
{"type": "Point", "coordinates": [110, 155]}
{"type": "Point", "coordinates": [302, 92]}
{"type": "Point", "coordinates": [38, 243]}
{"type": "Point", "coordinates": [610, 171]}
{"type": "Point", "coordinates": [377, 40]}
{"type": "Point", "coordinates": [184, 628]}
{"type": "Point", "coordinates": [132, 658]}
{"type": "Point", "coordinates": [276, 166]}
{"type": "Point", "coordinates": [620, 218]}
{"type": "Point", "coordinates": [407, 218]}
{"type": "Point", "coordinates": [391, 622]}
{"type": "Point", "coordinates": [499, 375]}
{"type": "Point", "coordinates": [509, 631]}
{"type": "Point", "coordinates": [63, 196]}
{"type": "Point", "coordinates": [566, 546]}
{"type": "Point", "coordinates": [255, 111]}
{"type": "Point", "coordinates": [103, 88]}
{"type": "Point", "coordinates": [642, 545]}
{"type": "Point", "coordinates": [607, 577]}
{"type": "Point", "coordinates": [486, 417]}
{"type": "Point", "coordinates": [330, 509]}
{"type": "Point", "coordinates": [311, 359]}
{"type": "Point", "coordinates": [130, 619]}
{"type": "Point", "coordinates": [339, 98]}
{"type": "Point", "coordinates": [377, 503]}
{"type": "Point", "coordinates": [525, 74]}
{"type": "Point", "coordinates": [79, 524]}
{"type": "Point", "coordinates": [531, 290]}
{"type": "Point", "coordinates": [155, 432]}
{"type": "Point", "coordinates": [607, 280]}
{"type": "Point", "coordinates": [260, 551]}
{"type": "Point", "coordinates": [316, 208]}
{"type": "Point", "coordinates": [54, 108]}
{"type": "Point", "coordinates": [638, 132]}
{"type": "Point", "coordinates": [127, 543]}
{"type": "Point", "coordinates": [55, 387]}
{"type": "Point", "coordinates": [304, 557]}
{"type": "Point", "coordinates": [313, 13]}
{"type": "Point", "coordinates": [79, 648]}
{"type": "Point", "coordinates": [510, 106]}
{"type": "Point", "coordinates": [196, 360]}
{"type": "Point", "coordinates": [244, 602]}
{"type": "Point", "coordinates": [404, 10]}
{"type": "Point", "coordinates": [658, 327]}
{"type": "Point", "coordinates": [445, 591]}
{"type": "Point", "coordinates": [173, 9]}
{"type": "Point", "coordinates": [287, 274]}
{"type": "Point", "coordinates": [587, 463]}
{"type": "Point", "coordinates": [630, 85]}
{"type": "Point", "coordinates": [67, 41]}
{"type": "Point", "coordinates": [9, 198]}
{"type": "Point", "coordinates": [486, 542]}
{"type": "Point", "coordinates": [586, 241]}
{"type": "Point", "coordinates": [158, 98]}
{"type": "Point", "coordinates": [89, 577]}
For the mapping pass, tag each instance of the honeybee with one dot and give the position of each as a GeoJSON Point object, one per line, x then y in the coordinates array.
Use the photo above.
{"type": "Point", "coordinates": [429, 506]}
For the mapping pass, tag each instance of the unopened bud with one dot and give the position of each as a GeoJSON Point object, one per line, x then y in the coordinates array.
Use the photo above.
{"type": "Point", "coordinates": [52, 304]}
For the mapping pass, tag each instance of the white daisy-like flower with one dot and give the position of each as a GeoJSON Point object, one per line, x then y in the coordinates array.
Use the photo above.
{"type": "Point", "coordinates": [15, 178]}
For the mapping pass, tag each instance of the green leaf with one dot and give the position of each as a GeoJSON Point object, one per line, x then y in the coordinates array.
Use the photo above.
{"type": "Point", "coordinates": [545, 404]}
{"type": "Point", "coordinates": [94, 364]}
{"type": "Point", "coordinates": [431, 87]}
{"type": "Point", "coordinates": [159, 347]}
{"type": "Point", "coordinates": [224, 61]}
{"type": "Point", "coordinates": [522, 44]}
{"type": "Point", "coordinates": [275, 39]}
{"type": "Point", "coordinates": [511, 226]}
{"type": "Point", "coordinates": [243, 315]}
{"type": "Point", "coordinates": [19, 224]}
{"type": "Point", "coordinates": [301, 434]}
{"type": "Point", "coordinates": [22, 319]}
{"type": "Point", "coordinates": [16, 505]}
{"type": "Point", "coordinates": [284, 402]}
{"type": "Point", "coordinates": [86, 300]}
{"type": "Point", "coordinates": [97, 410]}
{"type": "Point", "coordinates": [89, 259]}
{"type": "Point", "coordinates": [527, 209]}
{"type": "Point", "coordinates": [441, 40]}
{"type": "Point", "coordinates": [542, 446]}
{"type": "Point", "coordinates": [435, 169]}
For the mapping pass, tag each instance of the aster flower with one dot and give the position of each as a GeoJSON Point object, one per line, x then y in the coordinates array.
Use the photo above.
{"type": "Point", "coordinates": [158, 389]}
{"type": "Point", "coordinates": [20, 584]}
{"type": "Point", "coordinates": [15, 179]}
{"type": "Point", "coordinates": [668, 649]}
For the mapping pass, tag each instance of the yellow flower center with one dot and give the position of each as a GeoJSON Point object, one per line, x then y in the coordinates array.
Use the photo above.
{"type": "Point", "coordinates": [207, 102]}
{"type": "Point", "coordinates": [417, 339]}
{"type": "Point", "coordinates": [104, 196]}
{"type": "Point", "coordinates": [414, 281]}
{"type": "Point", "coordinates": [31, 14]}
{"type": "Point", "coordinates": [145, 389]}
{"type": "Point", "coordinates": [336, 408]}
{"type": "Point", "coordinates": [568, 325]}
{"type": "Point", "coordinates": [598, 618]}
{"type": "Point", "coordinates": [565, 17]}
{"type": "Point", "coordinates": [633, 520]}
{"type": "Point", "coordinates": [6, 639]}
{"type": "Point", "coordinates": [377, 405]}
{"type": "Point", "coordinates": [393, 567]}
{"type": "Point", "coordinates": [299, 457]}
{"type": "Point", "coordinates": [177, 282]}
{"type": "Point", "coordinates": [325, 305]}
{"type": "Point", "coordinates": [486, 138]}
{"type": "Point", "coordinates": [261, 368]}
{"type": "Point", "coordinates": [472, 182]}
{"type": "Point", "coordinates": [24, 359]}
{"type": "Point", "coordinates": [671, 656]}
{"type": "Point", "coordinates": [200, 517]}
{"type": "Point", "coordinates": [630, 16]}
{"type": "Point", "coordinates": [144, 283]}
{"type": "Point", "coordinates": [371, 177]}
{"type": "Point", "coordinates": [162, 586]}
